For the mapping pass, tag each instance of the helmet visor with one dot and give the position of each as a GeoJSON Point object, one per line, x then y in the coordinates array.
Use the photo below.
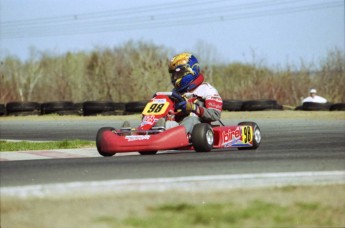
{"type": "Point", "coordinates": [178, 73]}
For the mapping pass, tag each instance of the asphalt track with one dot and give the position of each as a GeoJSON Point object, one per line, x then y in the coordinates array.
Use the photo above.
{"type": "Point", "coordinates": [288, 145]}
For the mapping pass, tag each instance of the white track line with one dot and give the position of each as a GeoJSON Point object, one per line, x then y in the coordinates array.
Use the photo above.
{"type": "Point", "coordinates": [193, 183]}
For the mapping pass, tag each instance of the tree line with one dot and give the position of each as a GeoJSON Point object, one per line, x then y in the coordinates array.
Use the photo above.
{"type": "Point", "coordinates": [135, 70]}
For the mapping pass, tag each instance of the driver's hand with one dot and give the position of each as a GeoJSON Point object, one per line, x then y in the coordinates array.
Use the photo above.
{"type": "Point", "coordinates": [187, 106]}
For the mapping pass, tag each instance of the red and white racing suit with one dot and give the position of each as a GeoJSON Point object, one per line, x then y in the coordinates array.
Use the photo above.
{"type": "Point", "coordinates": [210, 107]}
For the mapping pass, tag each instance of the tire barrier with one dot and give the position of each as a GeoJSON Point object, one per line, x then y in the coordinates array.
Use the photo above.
{"type": "Point", "coordinates": [312, 106]}
{"type": "Point", "coordinates": [337, 107]}
{"type": "Point", "coordinates": [260, 105]}
{"type": "Point", "coordinates": [2, 110]}
{"type": "Point", "coordinates": [232, 105]}
{"type": "Point", "coordinates": [59, 107]}
{"type": "Point", "coordinates": [92, 108]}
{"type": "Point", "coordinates": [135, 107]}
{"type": "Point", "coordinates": [23, 108]}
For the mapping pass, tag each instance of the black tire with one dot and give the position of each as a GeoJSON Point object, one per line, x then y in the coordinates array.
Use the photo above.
{"type": "Point", "coordinates": [119, 108]}
{"type": "Point", "coordinates": [2, 110]}
{"type": "Point", "coordinates": [232, 105]}
{"type": "Point", "coordinates": [337, 107]}
{"type": "Point", "coordinates": [312, 106]}
{"type": "Point", "coordinates": [260, 105]}
{"type": "Point", "coordinates": [23, 108]}
{"type": "Point", "coordinates": [79, 108]}
{"type": "Point", "coordinates": [98, 141]}
{"type": "Point", "coordinates": [256, 135]}
{"type": "Point", "coordinates": [59, 107]}
{"type": "Point", "coordinates": [91, 108]}
{"type": "Point", "coordinates": [148, 152]}
{"type": "Point", "coordinates": [202, 137]}
{"type": "Point", "coordinates": [135, 107]}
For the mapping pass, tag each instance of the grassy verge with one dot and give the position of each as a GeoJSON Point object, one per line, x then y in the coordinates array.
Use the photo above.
{"type": "Point", "coordinates": [292, 206]}
{"type": "Point", "coordinates": [29, 145]}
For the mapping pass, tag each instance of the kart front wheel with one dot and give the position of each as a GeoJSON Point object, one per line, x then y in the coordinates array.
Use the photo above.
{"type": "Point", "coordinates": [202, 137]}
{"type": "Point", "coordinates": [256, 135]}
{"type": "Point", "coordinates": [98, 141]}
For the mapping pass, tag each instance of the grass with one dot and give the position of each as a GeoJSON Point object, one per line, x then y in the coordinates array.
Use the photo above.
{"type": "Point", "coordinates": [291, 206]}
{"type": "Point", "coordinates": [29, 145]}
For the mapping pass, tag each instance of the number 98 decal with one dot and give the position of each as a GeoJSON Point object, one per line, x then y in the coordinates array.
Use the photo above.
{"type": "Point", "coordinates": [247, 134]}
{"type": "Point", "coordinates": [153, 108]}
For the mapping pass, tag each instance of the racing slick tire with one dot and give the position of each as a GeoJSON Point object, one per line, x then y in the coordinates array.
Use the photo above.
{"type": "Point", "coordinates": [256, 136]}
{"type": "Point", "coordinates": [148, 152]}
{"type": "Point", "coordinates": [98, 141]}
{"type": "Point", "coordinates": [202, 137]}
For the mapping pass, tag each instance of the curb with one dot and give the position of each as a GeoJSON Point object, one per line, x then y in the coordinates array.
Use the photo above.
{"type": "Point", "coordinates": [53, 154]}
{"type": "Point", "coordinates": [48, 154]}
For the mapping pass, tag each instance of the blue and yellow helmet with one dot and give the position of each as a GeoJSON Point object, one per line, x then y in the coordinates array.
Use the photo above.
{"type": "Point", "coordinates": [184, 69]}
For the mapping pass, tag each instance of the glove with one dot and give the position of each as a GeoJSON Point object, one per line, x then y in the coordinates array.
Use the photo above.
{"type": "Point", "coordinates": [187, 107]}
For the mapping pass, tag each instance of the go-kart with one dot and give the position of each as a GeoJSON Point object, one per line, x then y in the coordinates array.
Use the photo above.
{"type": "Point", "coordinates": [148, 138]}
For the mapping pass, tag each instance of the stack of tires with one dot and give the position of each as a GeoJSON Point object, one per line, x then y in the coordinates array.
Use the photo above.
{"type": "Point", "coordinates": [23, 108]}
{"type": "Point", "coordinates": [251, 105]}
{"type": "Point", "coordinates": [59, 107]}
{"type": "Point", "coordinates": [91, 108]}
{"type": "Point", "coordinates": [2, 110]}
{"type": "Point", "coordinates": [312, 106]}
{"type": "Point", "coordinates": [135, 107]}
{"type": "Point", "coordinates": [337, 107]}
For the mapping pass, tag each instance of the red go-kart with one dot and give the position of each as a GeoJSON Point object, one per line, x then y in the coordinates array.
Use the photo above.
{"type": "Point", "coordinates": [148, 138]}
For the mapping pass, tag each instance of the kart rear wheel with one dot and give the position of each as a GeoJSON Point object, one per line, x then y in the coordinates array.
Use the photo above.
{"type": "Point", "coordinates": [202, 137]}
{"type": "Point", "coordinates": [256, 135]}
{"type": "Point", "coordinates": [148, 152]}
{"type": "Point", "coordinates": [98, 141]}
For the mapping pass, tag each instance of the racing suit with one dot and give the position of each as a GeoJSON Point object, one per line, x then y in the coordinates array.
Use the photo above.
{"type": "Point", "coordinates": [209, 103]}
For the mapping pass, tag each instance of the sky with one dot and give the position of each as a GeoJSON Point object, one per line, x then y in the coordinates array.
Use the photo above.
{"type": "Point", "coordinates": [270, 32]}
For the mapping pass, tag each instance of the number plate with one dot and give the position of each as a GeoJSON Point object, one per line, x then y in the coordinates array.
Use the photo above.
{"type": "Point", "coordinates": [156, 107]}
{"type": "Point", "coordinates": [247, 134]}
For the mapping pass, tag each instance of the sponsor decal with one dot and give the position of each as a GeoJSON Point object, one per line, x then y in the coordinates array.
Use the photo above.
{"type": "Point", "coordinates": [131, 138]}
{"type": "Point", "coordinates": [231, 137]}
{"type": "Point", "coordinates": [159, 101]}
{"type": "Point", "coordinates": [214, 105]}
{"type": "Point", "coordinates": [238, 137]}
{"type": "Point", "coordinates": [150, 119]}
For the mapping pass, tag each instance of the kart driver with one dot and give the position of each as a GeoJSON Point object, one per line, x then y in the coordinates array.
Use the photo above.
{"type": "Point", "coordinates": [205, 104]}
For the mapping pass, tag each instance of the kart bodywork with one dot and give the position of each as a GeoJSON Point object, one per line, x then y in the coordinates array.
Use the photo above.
{"type": "Point", "coordinates": [149, 138]}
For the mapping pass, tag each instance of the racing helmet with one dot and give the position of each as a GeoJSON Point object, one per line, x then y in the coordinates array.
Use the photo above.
{"type": "Point", "coordinates": [184, 69]}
